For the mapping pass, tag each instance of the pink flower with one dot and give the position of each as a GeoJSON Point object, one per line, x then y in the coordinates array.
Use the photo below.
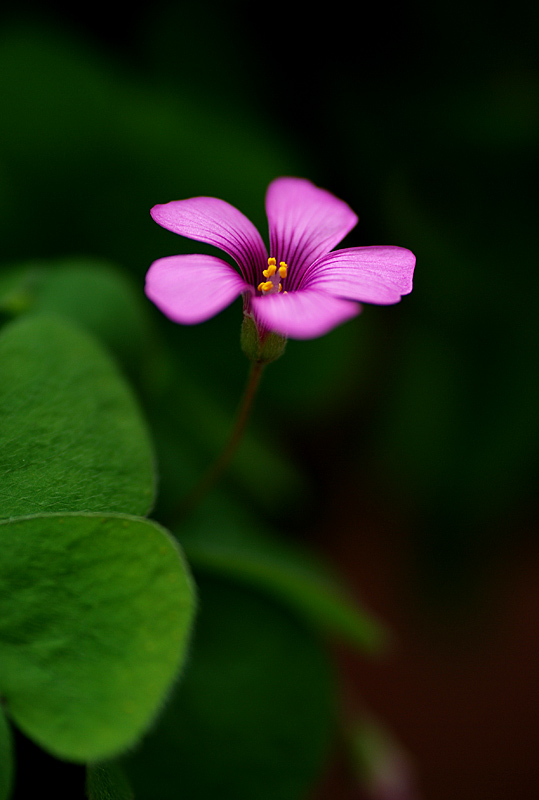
{"type": "Point", "coordinates": [303, 290]}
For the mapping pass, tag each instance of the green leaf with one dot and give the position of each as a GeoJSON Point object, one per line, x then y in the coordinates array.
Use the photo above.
{"type": "Point", "coordinates": [115, 315]}
{"type": "Point", "coordinates": [107, 782]}
{"type": "Point", "coordinates": [222, 539]}
{"type": "Point", "coordinates": [6, 757]}
{"type": "Point", "coordinates": [96, 611]}
{"type": "Point", "coordinates": [71, 435]}
{"type": "Point", "coordinates": [18, 287]}
{"type": "Point", "coordinates": [253, 715]}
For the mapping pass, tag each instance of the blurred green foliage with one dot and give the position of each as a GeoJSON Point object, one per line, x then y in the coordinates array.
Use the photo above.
{"type": "Point", "coordinates": [254, 713]}
{"type": "Point", "coordinates": [426, 121]}
{"type": "Point", "coordinates": [6, 757]}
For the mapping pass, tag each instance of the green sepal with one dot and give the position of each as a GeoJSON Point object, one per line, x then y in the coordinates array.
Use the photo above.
{"type": "Point", "coordinates": [260, 348]}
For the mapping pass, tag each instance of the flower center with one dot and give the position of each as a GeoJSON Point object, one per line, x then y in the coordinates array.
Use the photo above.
{"type": "Point", "coordinates": [273, 275]}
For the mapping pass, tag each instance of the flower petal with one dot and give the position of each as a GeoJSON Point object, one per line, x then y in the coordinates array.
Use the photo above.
{"type": "Point", "coordinates": [376, 274]}
{"type": "Point", "coordinates": [303, 315]}
{"type": "Point", "coordinates": [305, 222]}
{"type": "Point", "coordinates": [216, 222]}
{"type": "Point", "coordinates": [193, 288]}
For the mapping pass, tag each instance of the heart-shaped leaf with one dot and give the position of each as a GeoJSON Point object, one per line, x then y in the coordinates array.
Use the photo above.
{"type": "Point", "coordinates": [71, 435]}
{"type": "Point", "coordinates": [96, 610]}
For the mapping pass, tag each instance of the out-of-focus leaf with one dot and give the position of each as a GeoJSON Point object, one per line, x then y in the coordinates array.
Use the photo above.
{"type": "Point", "coordinates": [96, 611]}
{"type": "Point", "coordinates": [107, 781]}
{"type": "Point", "coordinates": [107, 148]}
{"type": "Point", "coordinates": [71, 435]}
{"type": "Point", "coordinates": [252, 717]}
{"type": "Point", "coordinates": [99, 297]}
{"type": "Point", "coordinates": [191, 428]}
{"type": "Point", "coordinates": [6, 757]}
{"type": "Point", "coordinates": [318, 374]}
{"type": "Point", "coordinates": [221, 539]}
{"type": "Point", "coordinates": [91, 292]}
{"type": "Point", "coordinates": [19, 286]}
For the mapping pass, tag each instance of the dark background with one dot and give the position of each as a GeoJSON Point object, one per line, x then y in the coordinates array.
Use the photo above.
{"type": "Point", "coordinates": [417, 424]}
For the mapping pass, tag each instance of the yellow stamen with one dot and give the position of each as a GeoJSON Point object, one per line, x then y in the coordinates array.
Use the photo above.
{"type": "Point", "coordinates": [273, 273]}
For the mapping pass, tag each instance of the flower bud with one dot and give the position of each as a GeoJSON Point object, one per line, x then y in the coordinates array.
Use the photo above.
{"type": "Point", "coordinates": [260, 347]}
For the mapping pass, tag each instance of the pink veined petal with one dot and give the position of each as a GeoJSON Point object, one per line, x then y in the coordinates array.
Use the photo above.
{"type": "Point", "coordinates": [305, 222]}
{"type": "Point", "coordinates": [192, 288]}
{"type": "Point", "coordinates": [216, 222]}
{"type": "Point", "coordinates": [377, 274]}
{"type": "Point", "coordinates": [303, 315]}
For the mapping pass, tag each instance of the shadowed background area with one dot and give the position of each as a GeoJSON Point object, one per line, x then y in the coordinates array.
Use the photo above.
{"type": "Point", "coordinates": [414, 428]}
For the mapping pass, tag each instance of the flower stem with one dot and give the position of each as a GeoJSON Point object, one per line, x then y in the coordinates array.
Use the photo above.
{"type": "Point", "coordinates": [219, 466]}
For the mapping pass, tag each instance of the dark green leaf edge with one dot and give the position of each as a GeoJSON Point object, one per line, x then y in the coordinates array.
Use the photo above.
{"type": "Point", "coordinates": [6, 757]}
{"type": "Point", "coordinates": [290, 574]}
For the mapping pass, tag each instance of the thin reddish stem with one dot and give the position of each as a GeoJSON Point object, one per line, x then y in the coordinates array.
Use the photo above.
{"type": "Point", "coordinates": [219, 466]}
